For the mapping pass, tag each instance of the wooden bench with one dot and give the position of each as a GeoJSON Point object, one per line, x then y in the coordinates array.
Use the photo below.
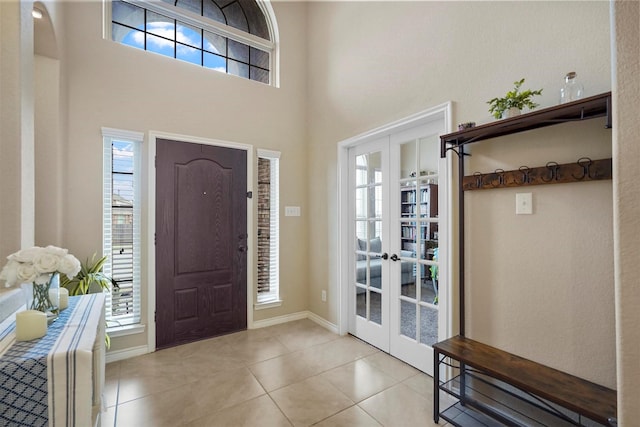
{"type": "Point", "coordinates": [583, 397]}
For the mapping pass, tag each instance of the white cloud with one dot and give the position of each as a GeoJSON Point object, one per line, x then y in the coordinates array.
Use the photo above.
{"type": "Point", "coordinates": [167, 30]}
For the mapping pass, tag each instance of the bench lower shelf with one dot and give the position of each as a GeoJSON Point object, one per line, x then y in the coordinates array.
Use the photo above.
{"type": "Point", "coordinates": [485, 401]}
{"type": "Point", "coordinates": [496, 388]}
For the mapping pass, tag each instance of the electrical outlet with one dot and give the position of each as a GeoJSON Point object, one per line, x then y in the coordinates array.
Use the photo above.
{"type": "Point", "coordinates": [324, 296]}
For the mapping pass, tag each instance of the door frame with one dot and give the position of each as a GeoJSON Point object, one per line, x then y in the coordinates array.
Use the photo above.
{"type": "Point", "coordinates": [150, 218]}
{"type": "Point", "coordinates": [441, 113]}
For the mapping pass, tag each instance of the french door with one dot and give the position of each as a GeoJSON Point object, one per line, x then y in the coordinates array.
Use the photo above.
{"type": "Point", "coordinates": [395, 291]}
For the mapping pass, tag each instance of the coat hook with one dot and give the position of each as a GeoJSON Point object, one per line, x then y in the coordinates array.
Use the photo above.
{"type": "Point", "coordinates": [500, 173]}
{"type": "Point", "coordinates": [478, 176]}
{"type": "Point", "coordinates": [553, 171]}
{"type": "Point", "coordinates": [526, 179]}
{"type": "Point", "coordinates": [585, 163]}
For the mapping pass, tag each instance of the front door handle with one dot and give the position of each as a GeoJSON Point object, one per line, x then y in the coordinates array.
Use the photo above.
{"type": "Point", "coordinates": [394, 257]}
{"type": "Point", "coordinates": [385, 255]}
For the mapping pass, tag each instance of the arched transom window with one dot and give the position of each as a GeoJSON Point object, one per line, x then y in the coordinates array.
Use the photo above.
{"type": "Point", "coordinates": [231, 36]}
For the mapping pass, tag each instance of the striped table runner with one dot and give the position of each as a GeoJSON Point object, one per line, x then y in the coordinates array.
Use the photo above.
{"type": "Point", "coordinates": [48, 381]}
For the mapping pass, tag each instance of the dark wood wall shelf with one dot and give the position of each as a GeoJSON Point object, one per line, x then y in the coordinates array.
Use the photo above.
{"type": "Point", "coordinates": [583, 109]}
{"type": "Point", "coordinates": [493, 387]}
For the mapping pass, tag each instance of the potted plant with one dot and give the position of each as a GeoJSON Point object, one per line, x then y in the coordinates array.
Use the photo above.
{"type": "Point", "coordinates": [513, 102]}
{"type": "Point", "coordinates": [90, 278]}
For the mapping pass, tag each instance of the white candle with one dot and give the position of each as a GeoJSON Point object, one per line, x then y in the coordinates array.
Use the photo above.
{"type": "Point", "coordinates": [30, 324]}
{"type": "Point", "coordinates": [54, 297]}
{"type": "Point", "coordinates": [64, 298]}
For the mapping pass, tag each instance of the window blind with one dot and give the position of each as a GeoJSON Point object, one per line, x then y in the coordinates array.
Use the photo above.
{"type": "Point", "coordinates": [121, 224]}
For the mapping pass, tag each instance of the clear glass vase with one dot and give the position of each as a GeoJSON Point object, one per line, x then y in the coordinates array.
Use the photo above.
{"type": "Point", "coordinates": [44, 297]}
{"type": "Point", "coordinates": [572, 90]}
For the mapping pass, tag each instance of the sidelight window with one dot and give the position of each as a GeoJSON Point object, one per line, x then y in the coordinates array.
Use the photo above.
{"type": "Point", "coordinates": [268, 229]}
{"type": "Point", "coordinates": [121, 224]}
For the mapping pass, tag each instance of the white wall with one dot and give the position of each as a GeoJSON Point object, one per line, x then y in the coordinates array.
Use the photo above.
{"type": "Point", "coordinates": [374, 62]}
{"type": "Point", "coordinates": [112, 85]}
{"type": "Point", "coordinates": [16, 127]}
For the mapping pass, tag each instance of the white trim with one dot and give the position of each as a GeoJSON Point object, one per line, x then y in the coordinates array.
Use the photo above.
{"type": "Point", "coordinates": [268, 153]}
{"type": "Point", "coordinates": [280, 319]}
{"type": "Point", "coordinates": [117, 355]}
{"type": "Point", "coordinates": [266, 305]}
{"type": "Point", "coordinates": [122, 134]}
{"type": "Point", "coordinates": [440, 112]}
{"type": "Point", "coordinates": [205, 23]}
{"type": "Point", "coordinates": [296, 316]}
{"type": "Point", "coordinates": [121, 331]}
{"type": "Point", "coordinates": [151, 223]}
{"type": "Point", "coordinates": [430, 115]}
{"type": "Point", "coordinates": [272, 22]}
{"type": "Point", "coordinates": [324, 323]}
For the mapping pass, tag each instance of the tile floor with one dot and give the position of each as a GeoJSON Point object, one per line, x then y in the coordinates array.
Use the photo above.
{"type": "Point", "coordinates": [293, 374]}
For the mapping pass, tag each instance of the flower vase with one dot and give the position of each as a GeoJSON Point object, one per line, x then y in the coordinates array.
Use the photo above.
{"type": "Point", "coordinates": [44, 297]}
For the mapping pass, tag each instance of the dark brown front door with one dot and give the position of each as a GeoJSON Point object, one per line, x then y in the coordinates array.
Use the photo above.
{"type": "Point", "coordinates": [201, 240]}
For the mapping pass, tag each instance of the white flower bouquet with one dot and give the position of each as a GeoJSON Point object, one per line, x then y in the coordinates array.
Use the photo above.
{"type": "Point", "coordinates": [37, 270]}
{"type": "Point", "coordinates": [36, 265]}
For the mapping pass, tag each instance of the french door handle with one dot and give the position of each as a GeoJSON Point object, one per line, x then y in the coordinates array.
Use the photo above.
{"type": "Point", "coordinates": [394, 257]}
{"type": "Point", "coordinates": [385, 255]}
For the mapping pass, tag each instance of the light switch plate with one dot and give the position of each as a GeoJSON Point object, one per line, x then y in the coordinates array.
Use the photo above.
{"type": "Point", "coordinates": [292, 211]}
{"type": "Point", "coordinates": [524, 204]}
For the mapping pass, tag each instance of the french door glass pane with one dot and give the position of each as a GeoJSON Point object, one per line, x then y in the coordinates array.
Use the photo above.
{"type": "Point", "coordinates": [408, 319]}
{"type": "Point", "coordinates": [375, 307]}
{"type": "Point", "coordinates": [429, 325]}
{"type": "Point", "coordinates": [418, 239]}
{"type": "Point", "coordinates": [368, 206]}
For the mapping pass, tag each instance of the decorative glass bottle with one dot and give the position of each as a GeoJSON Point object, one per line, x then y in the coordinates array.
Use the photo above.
{"type": "Point", "coordinates": [572, 90]}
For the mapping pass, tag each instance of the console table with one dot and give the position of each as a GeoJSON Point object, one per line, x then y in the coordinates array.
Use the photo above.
{"type": "Point", "coordinates": [56, 380]}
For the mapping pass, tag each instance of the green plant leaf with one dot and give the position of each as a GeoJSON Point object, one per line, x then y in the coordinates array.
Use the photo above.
{"type": "Point", "coordinates": [513, 99]}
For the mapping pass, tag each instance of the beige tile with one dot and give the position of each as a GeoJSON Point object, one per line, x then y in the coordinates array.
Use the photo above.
{"type": "Point", "coordinates": [256, 350]}
{"type": "Point", "coordinates": [310, 401]}
{"type": "Point", "coordinates": [305, 336]}
{"type": "Point", "coordinates": [294, 326]}
{"type": "Point", "coordinates": [282, 371]}
{"type": "Point", "coordinates": [144, 376]}
{"type": "Point", "coordinates": [391, 366]}
{"type": "Point", "coordinates": [261, 411]}
{"type": "Point", "coordinates": [421, 383]}
{"type": "Point", "coordinates": [112, 370]}
{"type": "Point", "coordinates": [110, 392]}
{"type": "Point", "coordinates": [352, 417]}
{"type": "Point", "coordinates": [191, 401]}
{"type": "Point", "coordinates": [399, 406]}
{"type": "Point", "coordinates": [336, 352]}
{"type": "Point", "coordinates": [359, 380]}
{"type": "Point", "coordinates": [171, 368]}
{"type": "Point", "coordinates": [248, 335]}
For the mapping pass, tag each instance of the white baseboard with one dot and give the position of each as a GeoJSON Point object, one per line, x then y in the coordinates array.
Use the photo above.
{"type": "Point", "coordinates": [116, 355]}
{"type": "Point", "coordinates": [279, 319]}
{"type": "Point", "coordinates": [296, 316]}
{"type": "Point", "coordinates": [323, 322]}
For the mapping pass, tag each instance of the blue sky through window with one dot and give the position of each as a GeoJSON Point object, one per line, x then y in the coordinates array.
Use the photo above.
{"type": "Point", "coordinates": [122, 178]}
{"type": "Point", "coordinates": [160, 38]}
